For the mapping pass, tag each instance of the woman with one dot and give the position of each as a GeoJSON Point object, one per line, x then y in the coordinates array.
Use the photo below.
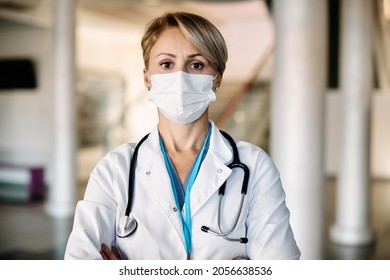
{"type": "Point", "coordinates": [181, 166]}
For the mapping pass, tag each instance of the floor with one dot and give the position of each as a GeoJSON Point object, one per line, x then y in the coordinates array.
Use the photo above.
{"type": "Point", "coordinates": [26, 233]}
{"type": "Point", "coordinates": [380, 222]}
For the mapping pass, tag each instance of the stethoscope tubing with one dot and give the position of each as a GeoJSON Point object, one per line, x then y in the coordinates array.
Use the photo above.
{"type": "Point", "coordinates": [226, 233]}
{"type": "Point", "coordinates": [132, 176]}
{"type": "Point", "coordinates": [236, 163]}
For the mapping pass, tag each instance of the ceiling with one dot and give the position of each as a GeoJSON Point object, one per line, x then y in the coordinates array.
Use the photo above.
{"type": "Point", "coordinates": [39, 12]}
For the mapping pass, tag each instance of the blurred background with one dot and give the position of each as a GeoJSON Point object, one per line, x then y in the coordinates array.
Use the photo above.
{"type": "Point", "coordinates": [308, 81]}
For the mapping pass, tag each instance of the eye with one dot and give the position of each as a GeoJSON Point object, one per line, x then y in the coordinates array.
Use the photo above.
{"type": "Point", "coordinates": [197, 66]}
{"type": "Point", "coordinates": [166, 64]}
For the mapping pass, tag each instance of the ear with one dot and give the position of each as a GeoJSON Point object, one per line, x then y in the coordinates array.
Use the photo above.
{"type": "Point", "coordinates": [147, 79]}
{"type": "Point", "coordinates": [218, 81]}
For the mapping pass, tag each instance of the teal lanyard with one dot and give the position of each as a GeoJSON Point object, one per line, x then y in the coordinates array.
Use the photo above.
{"type": "Point", "coordinates": [186, 224]}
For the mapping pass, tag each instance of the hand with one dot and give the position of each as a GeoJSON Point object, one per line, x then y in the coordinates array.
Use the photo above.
{"type": "Point", "coordinates": [239, 258]}
{"type": "Point", "coordinates": [109, 254]}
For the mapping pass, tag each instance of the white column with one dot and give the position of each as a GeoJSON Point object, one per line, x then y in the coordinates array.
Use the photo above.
{"type": "Point", "coordinates": [297, 120]}
{"type": "Point", "coordinates": [352, 222]}
{"type": "Point", "coordinates": [62, 193]}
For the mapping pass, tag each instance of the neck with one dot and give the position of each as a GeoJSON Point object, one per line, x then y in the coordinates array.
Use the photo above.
{"type": "Point", "coordinates": [178, 137]}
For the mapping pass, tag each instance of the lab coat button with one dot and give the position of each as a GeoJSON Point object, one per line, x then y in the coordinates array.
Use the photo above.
{"type": "Point", "coordinates": [174, 209]}
{"type": "Point", "coordinates": [219, 170]}
{"type": "Point", "coordinates": [148, 172]}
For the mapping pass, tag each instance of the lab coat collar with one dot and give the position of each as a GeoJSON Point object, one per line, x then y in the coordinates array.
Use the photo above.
{"type": "Point", "coordinates": [212, 174]}
{"type": "Point", "coordinates": [219, 146]}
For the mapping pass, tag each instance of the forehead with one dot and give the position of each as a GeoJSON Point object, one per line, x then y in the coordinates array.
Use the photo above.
{"type": "Point", "coordinates": [172, 41]}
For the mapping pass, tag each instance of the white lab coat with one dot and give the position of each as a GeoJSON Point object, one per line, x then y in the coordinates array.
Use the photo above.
{"type": "Point", "coordinates": [264, 218]}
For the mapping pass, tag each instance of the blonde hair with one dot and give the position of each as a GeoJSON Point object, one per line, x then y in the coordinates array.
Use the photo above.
{"type": "Point", "coordinates": [205, 37]}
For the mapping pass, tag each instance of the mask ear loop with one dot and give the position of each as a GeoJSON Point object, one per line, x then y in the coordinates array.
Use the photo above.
{"type": "Point", "coordinates": [214, 77]}
{"type": "Point", "coordinates": [150, 78]}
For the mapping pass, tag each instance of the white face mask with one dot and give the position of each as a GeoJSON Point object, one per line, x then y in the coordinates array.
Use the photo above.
{"type": "Point", "coordinates": [182, 97]}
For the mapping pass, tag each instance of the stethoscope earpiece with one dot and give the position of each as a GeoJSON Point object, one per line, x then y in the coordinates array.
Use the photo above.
{"type": "Point", "coordinates": [243, 240]}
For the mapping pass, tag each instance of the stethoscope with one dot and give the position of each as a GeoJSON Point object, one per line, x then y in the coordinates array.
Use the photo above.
{"type": "Point", "coordinates": [128, 224]}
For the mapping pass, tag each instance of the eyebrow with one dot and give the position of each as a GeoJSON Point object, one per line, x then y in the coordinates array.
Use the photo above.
{"type": "Point", "coordinates": [172, 55]}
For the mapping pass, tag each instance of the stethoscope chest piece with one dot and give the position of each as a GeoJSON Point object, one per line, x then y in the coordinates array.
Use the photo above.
{"type": "Point", "coordinates": [127, 225]}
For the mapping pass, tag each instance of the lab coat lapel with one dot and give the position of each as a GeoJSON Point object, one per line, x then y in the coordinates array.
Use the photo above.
{"type": "Point", "coordinates": [154, 178]}
{"type": "Point", "coordinates": [213, 172]}
{"type": "Point", "coordinates": [210, 177]}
